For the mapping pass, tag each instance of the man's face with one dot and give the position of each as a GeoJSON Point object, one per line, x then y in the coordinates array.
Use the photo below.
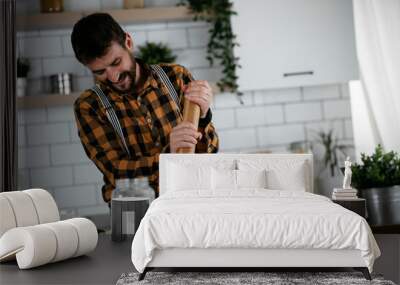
{"type": "Point", "coordinates": [117, 68]}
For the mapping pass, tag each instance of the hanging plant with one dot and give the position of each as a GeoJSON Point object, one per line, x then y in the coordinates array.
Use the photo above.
{"type": "Point", "coordinates": [154, 53]}
{"type": "Point", "coordinates": [222, 40]}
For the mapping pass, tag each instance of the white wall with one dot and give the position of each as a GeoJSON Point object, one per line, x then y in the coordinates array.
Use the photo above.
{"type": "Point", "coordinates": [50, 153]}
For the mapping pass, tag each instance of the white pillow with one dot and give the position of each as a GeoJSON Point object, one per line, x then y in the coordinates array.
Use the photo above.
{"type": "Point", "coordinates": [223, 179]}
{"type": "Point", "coordinates": [229, 179]}
{"type": "Point", "coordinates": [292, 178]}
{"type": "Point", "coordinates": [183, 177]}
{"type": "Point", "coordinates": [282, 174]}
{"type": "Point", "coordinates": [251, 178]}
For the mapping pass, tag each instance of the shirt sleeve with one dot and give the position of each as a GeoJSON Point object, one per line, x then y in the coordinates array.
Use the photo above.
{"type": "Point", "coordinates": [104, 148]}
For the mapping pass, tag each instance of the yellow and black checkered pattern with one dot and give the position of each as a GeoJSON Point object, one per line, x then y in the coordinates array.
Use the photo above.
{"type": "Point", "coordinates": [146, 119]}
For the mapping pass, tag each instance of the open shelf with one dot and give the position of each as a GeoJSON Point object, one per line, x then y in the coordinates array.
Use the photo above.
{"type": "Point", "coordinates": [46, 100]}
{"type": "Point", "coordinates": [54, 100]}
{"type": "Point", "coordinates": [123, 16]}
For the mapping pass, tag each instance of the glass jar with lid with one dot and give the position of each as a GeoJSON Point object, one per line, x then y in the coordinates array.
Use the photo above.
{"type": "Point", "coordinates": [141, 188]}
{"type": "Point", "coordinates": [123, 189]}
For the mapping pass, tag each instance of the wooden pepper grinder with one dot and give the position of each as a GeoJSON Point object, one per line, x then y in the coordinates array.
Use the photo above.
{"type": "Point", "coordinates": [191, 113]}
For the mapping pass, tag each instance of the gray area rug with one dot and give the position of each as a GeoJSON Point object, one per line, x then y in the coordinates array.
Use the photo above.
{"type": "Point", "coordinates": [269, 278]}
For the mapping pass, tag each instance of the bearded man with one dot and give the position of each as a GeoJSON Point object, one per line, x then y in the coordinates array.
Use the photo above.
{"type": "Point", "coordinates": [146, 119]}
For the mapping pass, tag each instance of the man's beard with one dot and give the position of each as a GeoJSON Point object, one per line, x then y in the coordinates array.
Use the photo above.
{"type": "Point", "coordinates": [129, 73]}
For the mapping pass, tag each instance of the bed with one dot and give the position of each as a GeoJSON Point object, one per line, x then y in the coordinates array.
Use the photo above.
{"type": "Point", "coordinates": [247, 211]}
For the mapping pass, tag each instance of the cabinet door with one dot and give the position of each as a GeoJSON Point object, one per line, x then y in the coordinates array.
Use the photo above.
{"type": "Point", "coordinates": [288, 43]}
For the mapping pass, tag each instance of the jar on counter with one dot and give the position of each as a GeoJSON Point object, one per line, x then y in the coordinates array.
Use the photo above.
{"type": "Point", "coordinates": [51, 6]}
{"type": "Point", "coordinates": [142, 188]}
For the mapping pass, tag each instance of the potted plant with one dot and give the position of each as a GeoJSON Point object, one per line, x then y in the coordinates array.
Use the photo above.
{"type": "Point", "coordinates": [23, 67]}
{"type": "Point", "coordinates": [378, 180]}
{"type": "Point", "coordinates": [154, 53]}
{"type": "Point", "coordinates": [328, 153]}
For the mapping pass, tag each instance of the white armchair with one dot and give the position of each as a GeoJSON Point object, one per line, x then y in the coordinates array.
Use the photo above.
{"type": "Point", "coordinates": [31, 230]}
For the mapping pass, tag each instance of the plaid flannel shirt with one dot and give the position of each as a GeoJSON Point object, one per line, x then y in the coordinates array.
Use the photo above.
{"type": "Point", "coordinates": [146, 119]}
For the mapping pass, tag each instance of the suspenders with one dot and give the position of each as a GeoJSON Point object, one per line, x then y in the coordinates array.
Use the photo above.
{"type": "Point", "coordinates": [110, 112]}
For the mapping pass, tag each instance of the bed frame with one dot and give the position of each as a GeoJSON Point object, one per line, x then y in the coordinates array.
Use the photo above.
{"type": "Point", "coordinates": [250, 259]}
{"type": "Point", "coordinates": [246, 259]}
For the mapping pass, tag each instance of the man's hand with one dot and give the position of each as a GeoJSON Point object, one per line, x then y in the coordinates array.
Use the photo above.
{"type": "Point", "coordinates": [199, 92]}
{"type": "Point", "coordinates": [184, 134]}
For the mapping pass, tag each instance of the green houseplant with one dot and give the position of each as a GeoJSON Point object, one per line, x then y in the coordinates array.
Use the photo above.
{"type": "Point", "coordinates": [222, 40]}
{"type": "Point", "coordinates": [328, 152]}
{"type": "Point", "coordinates": [154, 53]}
{"type": "Point", "coordinates": [23, 67]}
{"type": "Point", "coordinates": [377, 170]}
{"type": "Point", "coordinates": [332, 149]}
{"type": "Point", "coordinates": [378, 180]}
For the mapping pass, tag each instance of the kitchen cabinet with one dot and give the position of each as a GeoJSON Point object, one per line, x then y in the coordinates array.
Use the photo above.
{"type": "Point", "coordinates": [291, 43]}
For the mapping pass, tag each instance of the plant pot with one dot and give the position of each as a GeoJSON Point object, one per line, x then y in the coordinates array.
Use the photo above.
{"type": "Point", "coordinates": [133, 4]}
{"type": "Point", "coordinates": [51, 6]}
{"type": "Point", "coordinates": [21, 86]}
{"type": "Point", "coordinates": [383, 205]}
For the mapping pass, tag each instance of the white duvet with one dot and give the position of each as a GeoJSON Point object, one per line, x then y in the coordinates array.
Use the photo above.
{"type": "Point", "coordinates": [251, 218]}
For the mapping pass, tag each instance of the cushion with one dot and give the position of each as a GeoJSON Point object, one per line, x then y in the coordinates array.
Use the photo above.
{"type": "Point", "coordinates": [291, 179]}
{"type": "Point", "coordinates": [45, 206]}
{"type": "Point", "coordinates": [282, 174]}
{"type": "Point", "coordinates": [7, 220]}
{"type": "Point", "coordinates": [23, 208]}
{"type": "Point", "coordinates": [27, 208]}
{"type": "Point", "coordinates": [223, 179]}
{"type": "Point", "coordinates": [251, 178]}
{"type": "Point", "coordinates": [182, 177]}
{"type": "Point", "coordinates": [40, 244]}
{"type": "Point", "coordinates": [228, 179]}
{"type": "Point", "coordinates": [66, 237]}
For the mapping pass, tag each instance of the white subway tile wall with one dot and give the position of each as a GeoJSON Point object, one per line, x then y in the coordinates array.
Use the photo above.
{"type": "Point", "coordinates": [87, 173]}
{"type": "Point", "coordinates": [62, 154]}
{"type": "Point", "coordinates": [198, 36]}
{"type": "Point", "coordinates": [224, 118]}
{"type": "Point", "coordinates": [334, 109]}
{"type": "Point", "coordinates": [303, 112]}
{"type": "Point", "coordinates": [321, 92]}
{"type": "Point", "coordinates": [50, 152]}
{"type": "Point", "coordinates": [21, 136]}
{"type": "Point", "coordinates": [280, 134]}
{"type": "Point", "coordinates": [192, 58]}
{"type": "Point", "coordinates": [251, 116]}
{"type": "Point", "coordinates": [236, 139]}
{"type": "Point", "coordinates": [48, 133]}
{"type": "Point", "coordinates": [51, 176]}
{"type": "Point", "coordinates": [35, 156]}
{"type": "Point", "coordinates": [66, 197]}
{"type": "Point", "coordinates": [173, 38]}
{"type": "Point", "coordinates": [60, 114]}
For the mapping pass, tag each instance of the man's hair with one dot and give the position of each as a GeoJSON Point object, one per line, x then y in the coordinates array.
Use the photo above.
{"type": "Point", "coordinates": [92, 36]}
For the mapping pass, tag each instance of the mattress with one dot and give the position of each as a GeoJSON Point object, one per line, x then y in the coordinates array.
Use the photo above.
{"type": "Point", "coordinates": [251, 219]}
